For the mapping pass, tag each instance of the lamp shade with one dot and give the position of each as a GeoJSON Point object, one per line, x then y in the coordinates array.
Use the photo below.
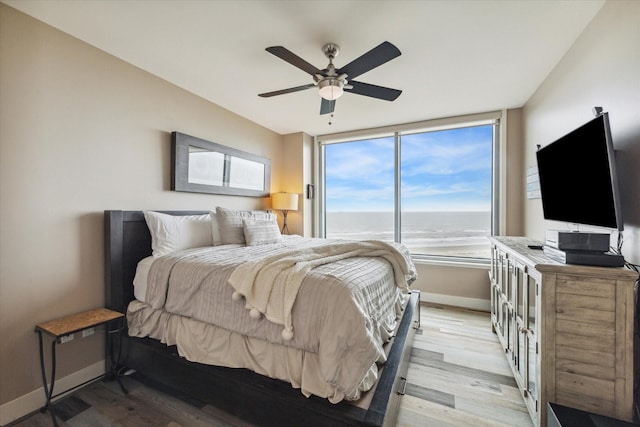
{"type": "Point", "coordinates": [331, 89]}
{"type": "Point", "coordinates": [284, 201]}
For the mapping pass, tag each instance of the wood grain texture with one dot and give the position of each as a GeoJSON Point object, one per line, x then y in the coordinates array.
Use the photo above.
{"type": "Point", "coordinates": [77, 322]}
{"type": "Point", "coordinates": [458, 376]}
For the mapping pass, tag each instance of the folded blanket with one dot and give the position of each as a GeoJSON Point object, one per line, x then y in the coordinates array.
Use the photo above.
{"type": "Point", "coordinates": [270, 285]}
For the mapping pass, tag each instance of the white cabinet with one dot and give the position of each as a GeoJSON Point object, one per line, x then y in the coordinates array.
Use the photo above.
{"type": "Point", "coordinates": [567, 330]}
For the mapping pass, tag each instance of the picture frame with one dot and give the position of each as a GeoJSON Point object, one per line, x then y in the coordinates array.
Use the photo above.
{"type": "Point", "coordinates": [202, 166]}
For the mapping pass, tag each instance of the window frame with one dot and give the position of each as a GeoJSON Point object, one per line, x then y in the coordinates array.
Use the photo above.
{"type": "Point", "coordinates": [493, 118]}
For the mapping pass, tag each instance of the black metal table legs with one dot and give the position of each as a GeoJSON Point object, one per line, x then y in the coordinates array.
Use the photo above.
{"type": "Point", "coordinates": [49, 385]}
{"type": "Point", "coordinates": [48, 388]}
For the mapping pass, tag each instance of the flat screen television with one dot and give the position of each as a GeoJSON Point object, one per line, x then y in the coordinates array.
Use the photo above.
{"type": "Point", "coordinates": [578, 179]}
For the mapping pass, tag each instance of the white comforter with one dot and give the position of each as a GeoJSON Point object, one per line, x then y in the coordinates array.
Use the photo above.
{"type": "Point", "coordinates": [270, 285]}
{"type": "Point", "coordinates": [343, 312]}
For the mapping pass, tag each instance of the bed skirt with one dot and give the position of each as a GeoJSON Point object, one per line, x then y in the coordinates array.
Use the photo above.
{"type": "Point", "coordinates": [208, 344]}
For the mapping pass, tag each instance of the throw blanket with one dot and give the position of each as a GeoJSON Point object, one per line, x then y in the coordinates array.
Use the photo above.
{"type": "Point", "coordinates": [270, 285]}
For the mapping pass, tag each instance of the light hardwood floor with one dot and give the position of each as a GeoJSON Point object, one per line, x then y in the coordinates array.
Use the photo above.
{"type": "Point", "coordinates": [458, 376]}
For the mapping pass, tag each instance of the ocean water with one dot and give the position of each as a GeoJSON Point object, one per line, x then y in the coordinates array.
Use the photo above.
{"type": "Point", "coordinates": [432, 233]}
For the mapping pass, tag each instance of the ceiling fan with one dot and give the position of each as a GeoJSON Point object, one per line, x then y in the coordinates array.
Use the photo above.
{"type": "Point", "coordinates": [332, 82]}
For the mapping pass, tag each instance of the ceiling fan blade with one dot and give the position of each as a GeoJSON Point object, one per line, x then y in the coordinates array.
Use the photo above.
{"type": "Point", "coordinates": [283, 91]}
{"type": "Point", "coordinates": [327, 107]}
{"type": "Point", "coordinates": [373, 91]}
{"type": "Point", "coordinates": [377, 56]}
{"type": "Point", "coordinates": [293, 59]}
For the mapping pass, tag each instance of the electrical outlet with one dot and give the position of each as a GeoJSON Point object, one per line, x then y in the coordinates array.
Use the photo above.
{"type": "Point", "coordinates": [88, 332]}
{"type": "Point", "coordinates": [66, 338]}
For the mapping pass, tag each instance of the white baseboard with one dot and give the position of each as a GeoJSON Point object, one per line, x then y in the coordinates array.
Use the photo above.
{"type": "Point", "coordinates": [35, 400]}
{"type": "Point", "coordinates": [472, 303]}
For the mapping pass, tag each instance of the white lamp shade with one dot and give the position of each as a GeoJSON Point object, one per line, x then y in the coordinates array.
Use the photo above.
{"type": "Point", "coordinates": [331, 89]}
{"type": "Point", "coordinates": [284, 201]}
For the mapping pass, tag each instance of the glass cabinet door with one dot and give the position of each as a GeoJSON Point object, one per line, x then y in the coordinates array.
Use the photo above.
{"type": "Point", "coordinates": [519, 298]}
{"type": "Point", "coordinates": [532, 347]}
{"type": "Point", "coordinates": [501, 305]}
{"type": "Point", "coordinates": [507, 271]}
{"type": "Point", "coordinates": [495, 287]}
{"type": "Point", "coordinates": [493, 272]}
{"type": "Point", "coordinates": [495, 303]}
{"type": "Point", "coordinates": [505, 330]}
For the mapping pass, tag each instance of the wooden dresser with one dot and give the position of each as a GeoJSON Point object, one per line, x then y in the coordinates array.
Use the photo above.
{"type": "Point", "coordinates": [567, 330]}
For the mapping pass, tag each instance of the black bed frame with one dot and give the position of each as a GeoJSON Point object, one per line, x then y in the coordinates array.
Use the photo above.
{"type": "Point", "coordinates": [255, 398]}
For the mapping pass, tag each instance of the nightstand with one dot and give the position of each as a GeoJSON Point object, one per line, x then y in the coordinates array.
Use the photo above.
{"type": "Point", "coordinates": [62, 328]}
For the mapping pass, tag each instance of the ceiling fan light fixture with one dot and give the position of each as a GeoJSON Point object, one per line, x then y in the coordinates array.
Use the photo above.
{"type": "Point", "coordinates": [331, 89]}
{"type": "Point", "coordinates": [332, 82]}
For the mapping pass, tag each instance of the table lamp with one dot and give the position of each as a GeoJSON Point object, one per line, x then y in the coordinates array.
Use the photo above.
{"type": "Point", "coordinates": [284, 202]}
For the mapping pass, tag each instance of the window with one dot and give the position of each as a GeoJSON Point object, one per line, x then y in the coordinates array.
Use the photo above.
{"type": "Point", "coordinates": [359, 189]}
{"type": "Point", "coordinates": [428, 188]}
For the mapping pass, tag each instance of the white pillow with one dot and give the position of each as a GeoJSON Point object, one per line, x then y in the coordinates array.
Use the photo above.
{"type": "Point", "coordinates": [140, 279]}
{"type": "Point", "coordinates": [260, 232]}
{"type": "Point", "coordinates": [215, 229]}
{"type": "Point", "coordinates": [170, 233]}
{"type": "Point", "coordinates": [231, 225]}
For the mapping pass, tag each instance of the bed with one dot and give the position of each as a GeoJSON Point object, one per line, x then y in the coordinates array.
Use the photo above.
{"type": "Point", "coordinates": [257, 398]}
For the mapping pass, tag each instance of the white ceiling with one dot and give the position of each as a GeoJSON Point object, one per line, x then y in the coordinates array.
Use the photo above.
{"type": "Point", "coordinates": [458, 57]}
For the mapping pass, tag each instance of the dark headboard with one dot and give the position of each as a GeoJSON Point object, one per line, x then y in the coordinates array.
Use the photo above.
{"type": "Point", "coordinates": [126, 242]}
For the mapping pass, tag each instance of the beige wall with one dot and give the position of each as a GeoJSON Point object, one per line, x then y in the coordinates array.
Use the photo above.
{"type": "Point", "coordinates": [297, 172]}
{"type": "Point", "coordinates": [601, 69]}
{"type": "Point", "coordinates": [457, 285]}
{"type": "Point", "coordinates": [81, 132]}
{"type": "Point", "coordinates": [513, 178]}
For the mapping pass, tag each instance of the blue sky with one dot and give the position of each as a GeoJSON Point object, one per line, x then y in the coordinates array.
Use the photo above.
{"type": "Point", "coordinates": [446, 170]}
